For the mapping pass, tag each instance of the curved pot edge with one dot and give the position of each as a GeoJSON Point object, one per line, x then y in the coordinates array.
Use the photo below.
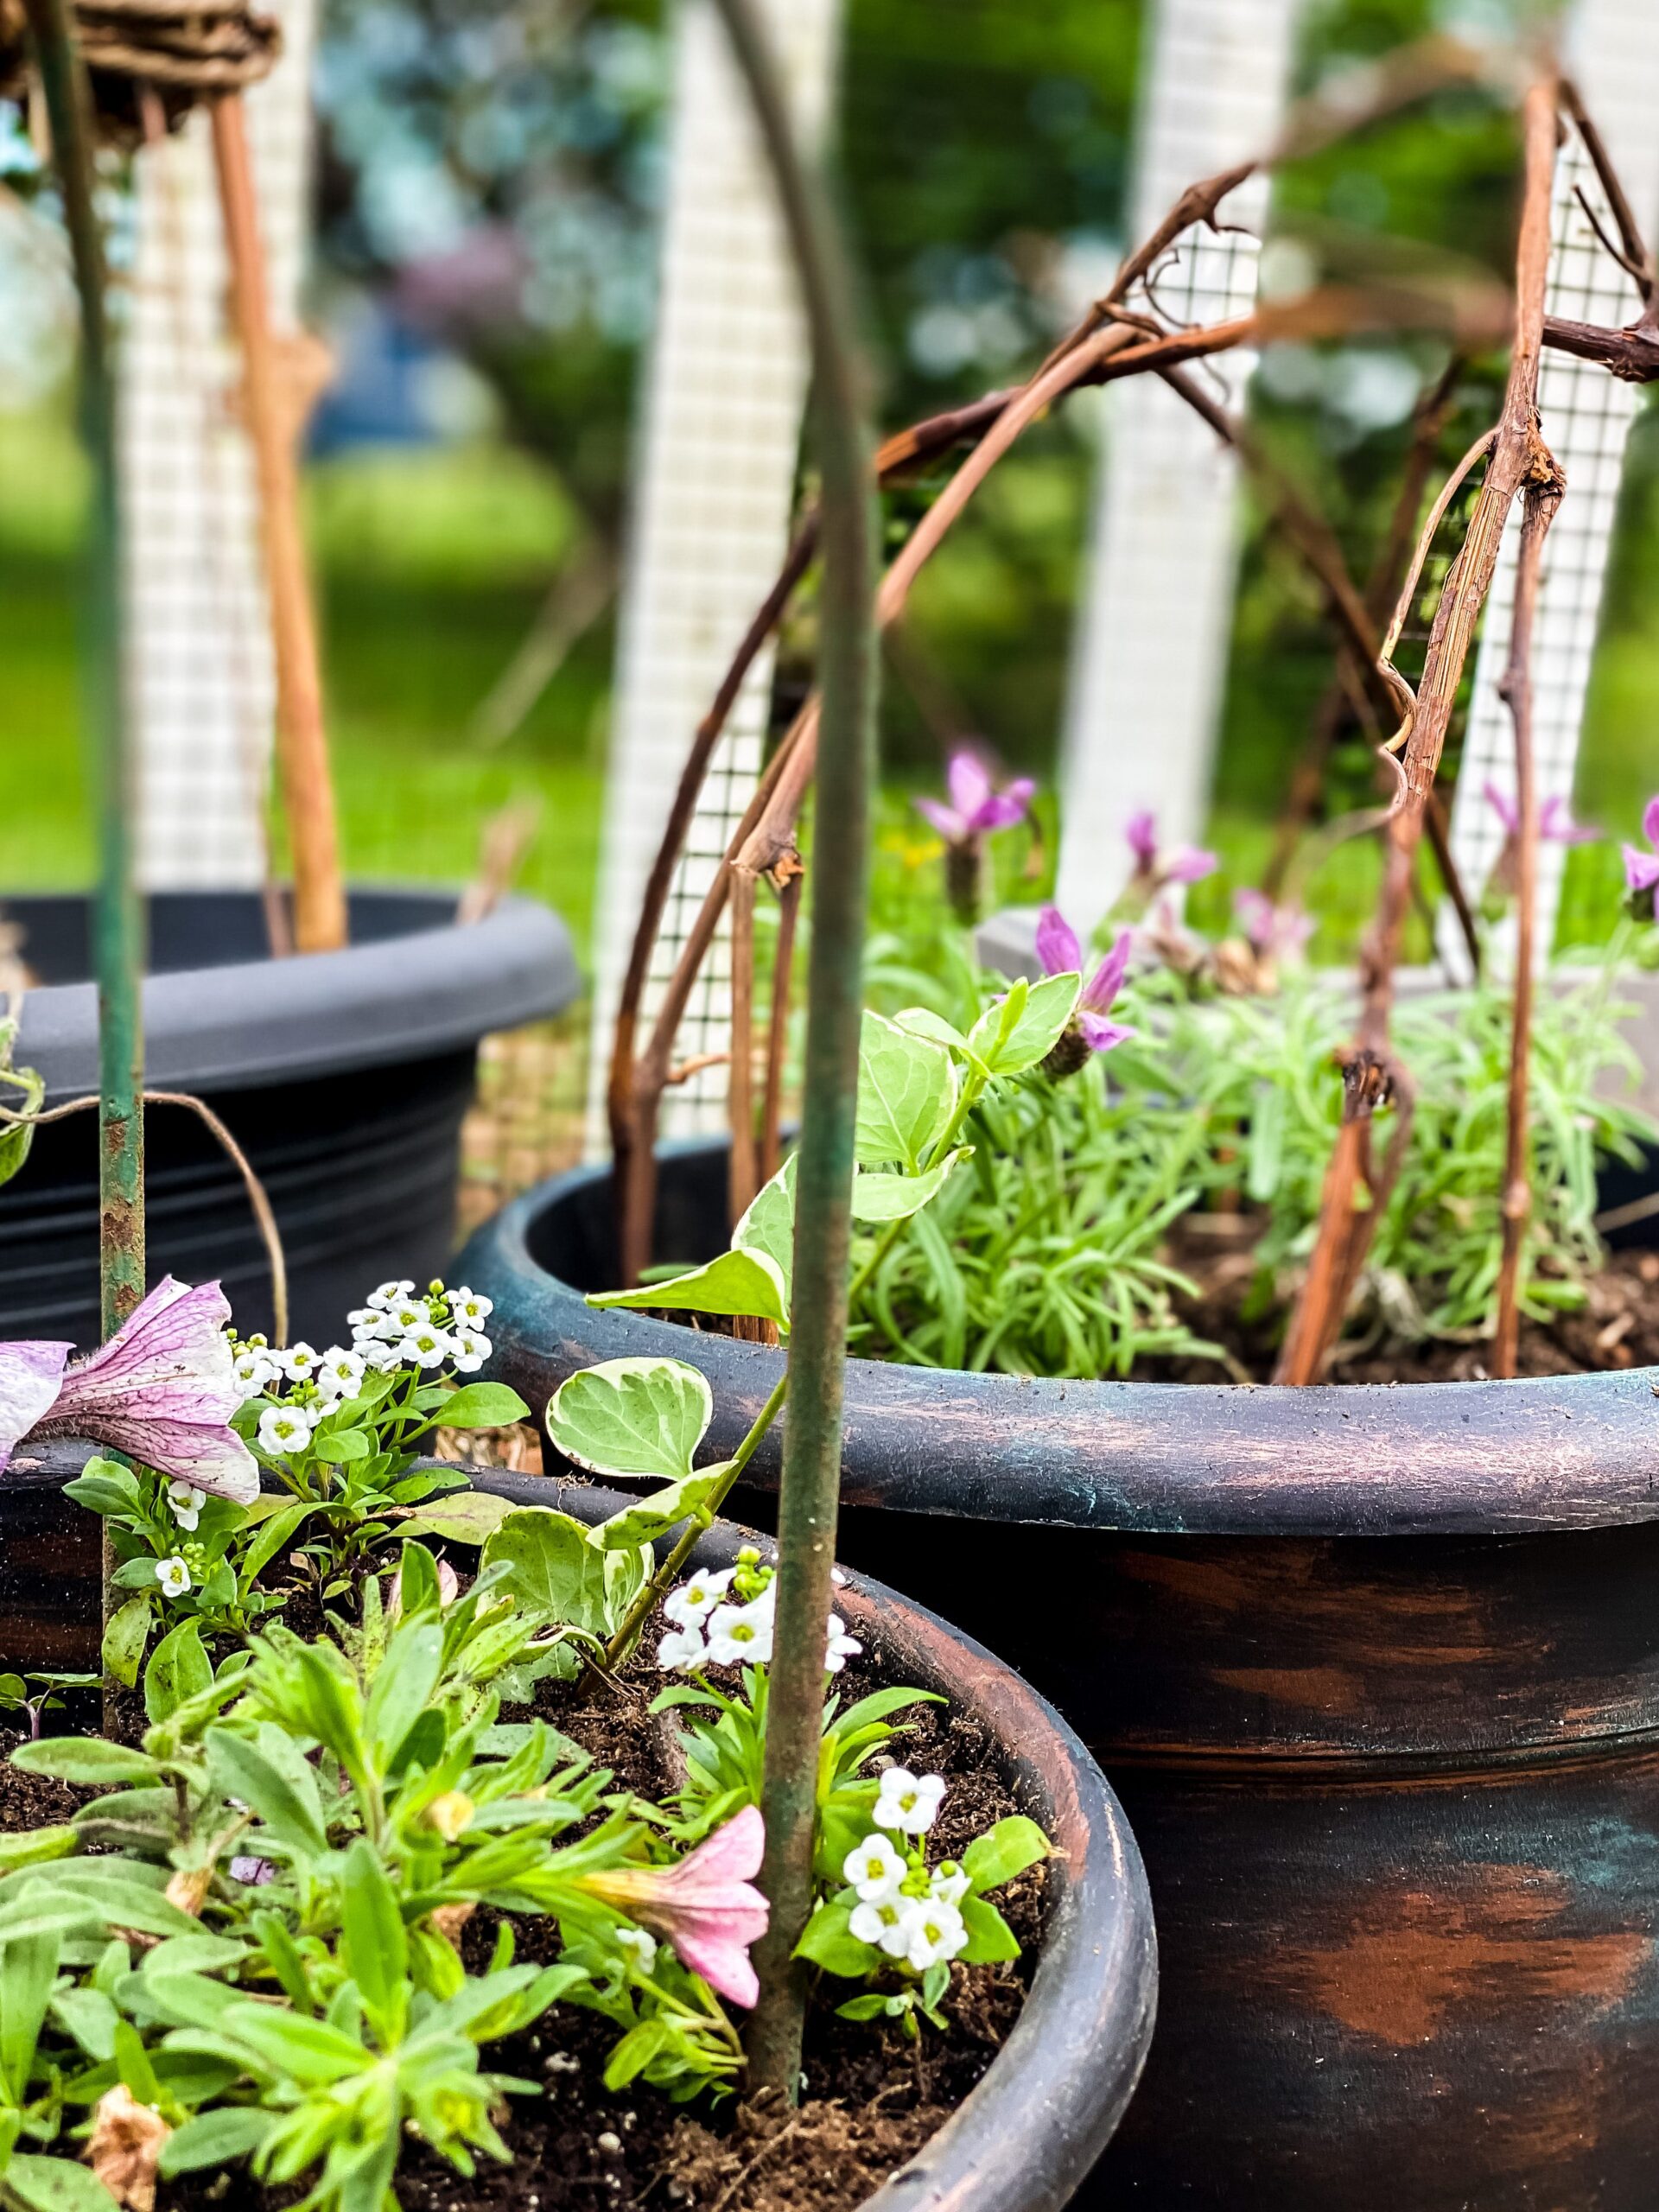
{"type": "Point", "coordinates": [1031, 2130]}
{"type": "Point", "coordinates": [1174, 1459]}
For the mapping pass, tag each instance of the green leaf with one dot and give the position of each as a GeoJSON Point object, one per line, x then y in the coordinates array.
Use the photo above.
{"type": "Point", "coordinates": [29, 1967]}
{"type": "Point", "coordinates": [179, 1668]}
{"type": "Point", "coordinates": [739, 1281]}
{"type": "Point", "coordinates": [653, 1515]}
{"type": "Point", "coordinates": [311, 2050]}
{"type": "Point", "coordinates": [38, 1846]}
{"type": "Point", "coordinates": [635, 2052]}
{"type": "Point", "coordinates": [989, 1936]}
{"type": "Point", "coordinates": [402, 1687]}
{"type": "Point", "coordinates": [482, 1405]}
{"type": "Point", "coordinates": [105, 1487]}
{"type": "Point", "coordinates": [55, 2185]}
{"type": "Point", "coordinates": [86, 1759]}
{"type": "Point", "coordinates": [553, 1570]}
{"type": "Point", "coordinates": [632, 1417]}
{"type": "Point", "coordinates": [895, 1198]}
{"type": "Point", "coordinates": [922, 1021]}
{"type": "Point", "coordinates": [125, 1636]}
{"type": "Point", "coordinates": [288, 1803]}
{"type": "Point", "coordinates": [767, 1226]}
{"type": "Point", "coordinates": [373, 1945]}
{"type": "Point", "coordinates": [273, 1537]}
{"type": "Point", "coordinates": [215, 2138]}
{"type": "Point", "coordinates": [1026, 1027]}
{"type": "Point", "coordinates": [1003, 1851]}
{"type": "Point", "coordinates": [907, 1095]}
{"type": "Point", "coordinates": [338, 1447]}
{"type": "Point", "coordinates": [873, 2006]}
{"type": "Point", "coordinates": [829, 1943]}
{"type": "Point", "coordinates": [468, 1517]}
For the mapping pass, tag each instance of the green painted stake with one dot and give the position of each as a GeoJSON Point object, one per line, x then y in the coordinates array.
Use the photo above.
{"type": "Point", "coordinates": [118, 929]}
{"type": "Point", "coordinates": [810, 1489]}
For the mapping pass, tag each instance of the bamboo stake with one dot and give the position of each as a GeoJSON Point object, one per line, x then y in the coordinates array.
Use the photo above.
{"type": "Point", "coordinates": [320, 920]}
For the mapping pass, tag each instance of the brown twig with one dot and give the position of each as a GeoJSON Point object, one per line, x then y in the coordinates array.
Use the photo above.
{"type": "Point", "coordinates": [741, 1185]}
{"type": "Point", "coordinates": [1543, 497]}
{"type": "Point", "coordinates": [771, 1108]}
{"type": "Point", "coordinates": [1516, 459]}
{"type": "Point", "coordinates": [1632, 251]}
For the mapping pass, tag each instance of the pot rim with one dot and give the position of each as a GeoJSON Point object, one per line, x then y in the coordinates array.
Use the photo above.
{"type": "Point", "coordinates": [1174, 1459]}
{"type": "Point", "coordinates": [1025, 2137]}
{"type": "Point", "coordinates": [420, 988]}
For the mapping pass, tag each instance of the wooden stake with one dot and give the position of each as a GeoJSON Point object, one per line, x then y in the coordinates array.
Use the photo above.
{"type": "Point", "coordinates": [319, 923]}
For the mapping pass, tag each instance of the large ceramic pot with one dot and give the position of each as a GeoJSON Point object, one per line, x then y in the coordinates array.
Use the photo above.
{"type": "Point", "coordinates": [1035, 2127]}
{"type": "Point", "coordinates": [1375, 1672]}
{"type": "Point", "coordinates": [344, 1076]}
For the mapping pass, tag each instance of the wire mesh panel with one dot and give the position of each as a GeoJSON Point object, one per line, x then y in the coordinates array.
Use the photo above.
{"type": "Point", "coordinates": [200, 675]}
{"type": "Point", "coordinates": [1153, 619]}
{"type": "Point", "coordinates": [1586, 417]}
{"type": "Point", "coordinates": [715, 465]}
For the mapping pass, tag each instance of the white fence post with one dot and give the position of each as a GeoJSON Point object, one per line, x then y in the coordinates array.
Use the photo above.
{"type": "Point", "coordinates": [1154, 616]}
{"type": "Point", "coordinates": [714, 467]}
{"type": "Point", "coordinates": [199, 660]}
{"type": "Point", "coordinates": [1613, 54]}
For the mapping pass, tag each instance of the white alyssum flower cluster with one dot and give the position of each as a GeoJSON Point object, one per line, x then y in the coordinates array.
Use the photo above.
{"type": "Point", "coordinates": [725, 1619]}
{"type": "Point", "coordinates": [909, 1910]}
{"type": "Point", "coordinates": [399, 1328]}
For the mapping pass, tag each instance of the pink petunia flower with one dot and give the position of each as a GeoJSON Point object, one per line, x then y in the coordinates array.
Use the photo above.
{"type": "Point", "coordinates": [1153, 868]}
{"type": "Point", "coordinates": [1642, 870]}
{"type": "Point", "coordinates": [976, 806]}
{"type": "Point", "coordinates": [161, 1390]}
{"type": "Point", "coordinates": [1061, 954]}
{"type": "Point", "coordinates": [706, 1906]}
{"type": "Point", "coordinates": [1555, 823]}
{"type": "Point", "coordinates": [31, 1374]}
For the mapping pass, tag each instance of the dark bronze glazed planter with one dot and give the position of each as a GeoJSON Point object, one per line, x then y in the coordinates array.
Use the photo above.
{"type": "Point", "coordinates": [1035, 2126]}
{"type": "Point", "coordinates": [1375, 1672]}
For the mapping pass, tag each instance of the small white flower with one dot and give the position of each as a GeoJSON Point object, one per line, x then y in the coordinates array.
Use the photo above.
{"type": "Point", "coordinates": [740, 1634]}
{"type": "Point", "coordinates": [187, 1502]}
{"type": "Point", "coordinates": [468, 1351]}
{"type": "Point", "coordinates": [300, 1363]}
{"type": "Point", "coordinates": [253, 1370]}
{"type": "Point", "coordinates": [934, 1931]}
{"type": "Point", "coordinates": [470, 1307]}
{"type": "Point", "coordinates": [874, 1869]}
{"type": "Point", "coordinates": [947, 1884]}
{"type": "Point", "coordinates": [695, 1600]}
{"type": "Point", "coordinates": [173, 1575]}
{"type": "Point", "coordinates": [412, 1314]}
{"type": "Point", "coordinates": [681, 1647]}
{"type": "Point", "coordinates": [284, 1429]}
{"type": "Point", "coordinates": [841, 1646]}
{"type": "Point", "coordinates": [390, 1293]}
{"type": "Point", "coordinates": [378, 1357]}
{"type": "Point", "coordinates": [339, 1372]}
{"type": "Point", "coordinates": [906, 1801]}
{"type": "Point", "coordinates": [642, 1944]}
{"type": "Point", "coordinates": [426, 1345]}
{"type": "Point", "coordinates": [885, 1923]}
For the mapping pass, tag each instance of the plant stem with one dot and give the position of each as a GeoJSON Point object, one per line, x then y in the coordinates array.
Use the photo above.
{"type": "Point", "coordinates": [810, 1489]}
{"type": "Point", "coordinates": [117, 922]}
{"type": "Point", "coordinates": [640, 1611]}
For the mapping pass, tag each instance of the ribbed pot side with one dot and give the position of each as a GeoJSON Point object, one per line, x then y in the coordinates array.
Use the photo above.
{"type": "Point", "coordinates": [1376, 1673]}
{"type": "Point", "coordinates": [1034, 2128]}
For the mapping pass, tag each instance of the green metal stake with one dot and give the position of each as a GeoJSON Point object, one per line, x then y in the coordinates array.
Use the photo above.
{"type": "Point", "coordinates": [809, 1488]}
{"type": "Point", "coordinates": [118, 929]}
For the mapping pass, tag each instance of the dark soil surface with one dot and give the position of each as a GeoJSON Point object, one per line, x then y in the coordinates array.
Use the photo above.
{"type": "Point", "coordinates": [873, 2097]}
{"type": "Point", "coordinates": [1617, 1327]}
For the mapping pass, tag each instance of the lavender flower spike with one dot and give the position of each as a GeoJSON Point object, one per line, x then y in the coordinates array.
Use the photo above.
{"type": "Point", "coordinates": [1275, 932]}
{"type": "Point", "coordinates": [1153, 868]}
{"type": "Point", "coordinates": [1089, 1030]}
{"type": "Point", "coordinates": [976, 806]}
{"type": "Point", "coordinates": [1555, 823]}
{"type": "Point", "coordinates": [162, 1391]}
{"type": "Point", "coordinates": [31, 1374]}
{"type": "Point", "coordinates": [1642, 870]}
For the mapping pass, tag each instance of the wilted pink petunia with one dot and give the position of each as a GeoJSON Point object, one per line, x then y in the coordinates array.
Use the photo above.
{"type": "Point", "coordinates": [975, 805]}
{"type": "Point", "coordinates": [1642, 870]}
{"type": "Point", "coordinates": [31, 1374]}
{"type": "Point", "coordinates": [1152, 868]}
{"type": "Point", "coordinates": [1061, 954]}
{"type": "Point", "coordinates": [706, 1906]}
{"type": "Point", "coordinates": [161, 1390]}
{"type": "Point", "coordinates": [1555, 823]}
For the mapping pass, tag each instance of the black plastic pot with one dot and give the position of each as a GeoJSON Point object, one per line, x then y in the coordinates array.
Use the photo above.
{"type": "Point", "coordinates": [1375, 1672]}
{"type": "Point", "coordinates": [344, 1076]}
{"type": "Point", "coordinates": [1033, 2127]}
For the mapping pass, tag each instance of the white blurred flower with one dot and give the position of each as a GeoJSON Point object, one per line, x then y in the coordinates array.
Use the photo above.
{"type": "Point", "coordinates": [468, 1351]}
{"type": "Point", "coordinates": [425, 1345]}
{"type": "Point", "coordinates": [695, 1600]}
{"type": "Point", "coordinates": [186, 1501]}
{"type": "Point", "coordinates": [173, 1575]}
{"type": "Point", "coordinates": [298, 1362]}
{"type": "Point", "coordinates": [741, 1635]}
{"type": "Point", "coordinates": [681, 1647]}
{"type": "Point", "coordinates": [841, 1646]}
{"type": "Point", "coordinates": [469, 1306]}
{"type": "Point", "coordinates": [253, 1370]}
{"type": "Point", "coordinates": [885, 1923]}
{"type": "Point", "coordinates": [641, 1943]}
{"type": "Point", "coordinates": [933, 1931]}
{"type": "Point", "coordinates": [874, 1869]}
{"type": "Point", "coordinates": [339, 1372]}
{"type": "Point", "coordinates": [947, 1884]}
{"type": "Point", "coordinates": [907, 1802]}
{"type": "Point", "coordinates": [390, 1293]}
{"type": "Point", "coordinates": [284, 1429]}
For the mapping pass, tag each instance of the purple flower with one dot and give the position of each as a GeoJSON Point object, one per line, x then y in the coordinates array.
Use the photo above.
{"type": "Point", "coordinates": [1275, 932]}
{"type": "Point", "coordinates": [1153, 869]}
{"type": "Point", "coordinates": [161, 1390]}
{"type": "Point", "coordinates": [1642, 870]}
{"type": "Point", "coordinates": [976, 806]}
{"type": "Point", "coordinates": [1061, 954]}
{"type": "Point", "coordinates": [1555, 823]}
